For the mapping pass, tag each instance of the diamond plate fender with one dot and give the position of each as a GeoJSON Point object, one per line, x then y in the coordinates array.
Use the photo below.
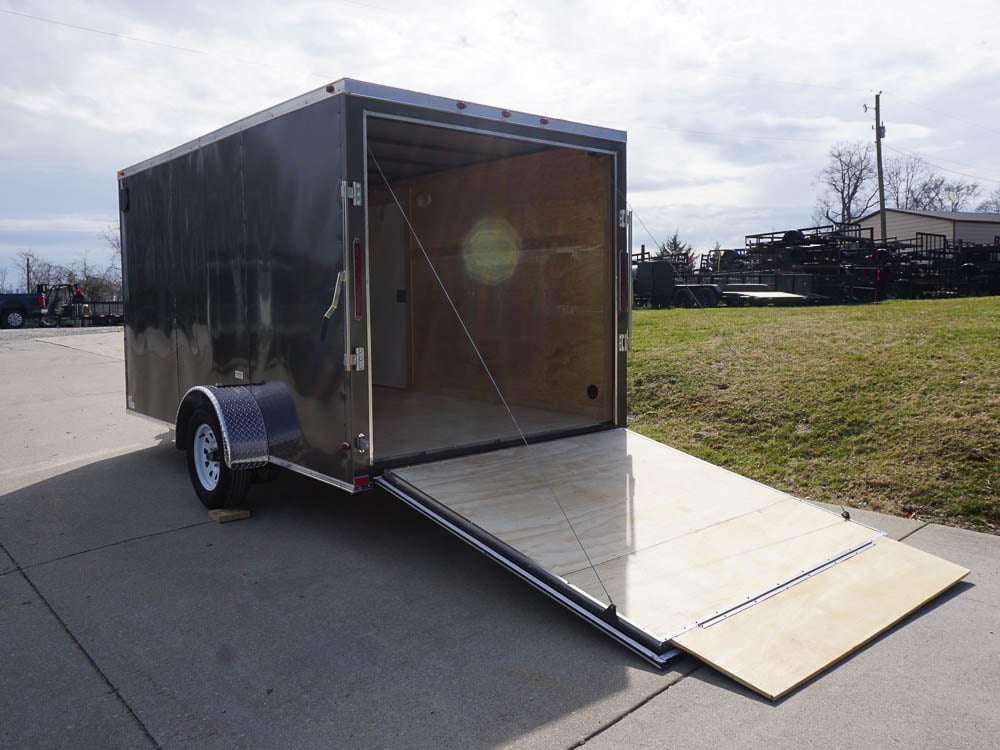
{"type": "Point", "coordinates": [244, 434]}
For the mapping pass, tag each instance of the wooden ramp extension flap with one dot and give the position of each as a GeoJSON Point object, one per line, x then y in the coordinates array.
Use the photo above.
{"type": "Point", "coordinates": [765, 587]}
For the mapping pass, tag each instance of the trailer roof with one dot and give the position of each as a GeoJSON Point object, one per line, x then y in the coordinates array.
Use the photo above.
{"type": "Point", "coordinates": [376, 92]}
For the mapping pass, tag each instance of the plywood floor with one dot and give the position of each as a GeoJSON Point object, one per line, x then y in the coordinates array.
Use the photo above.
{"type": "Point", "coordinates": [408, 422]}
{"type": "Point", "coordinates": [672, 540]}
{"type": "Point", "coordinates": [776, 645]}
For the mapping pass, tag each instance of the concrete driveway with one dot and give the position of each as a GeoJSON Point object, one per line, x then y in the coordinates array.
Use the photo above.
{"type": "Point", "coordinates": [128, 619]}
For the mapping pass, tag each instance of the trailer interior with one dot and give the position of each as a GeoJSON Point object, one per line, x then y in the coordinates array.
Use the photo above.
{"type": "Point", "coordinates": [502, 242]}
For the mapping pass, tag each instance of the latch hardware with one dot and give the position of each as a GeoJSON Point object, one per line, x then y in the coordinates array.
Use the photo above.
{"type": "Point", "coordinates": [335, 303]}
{"type": "Point", "coordinates": [351, 190]}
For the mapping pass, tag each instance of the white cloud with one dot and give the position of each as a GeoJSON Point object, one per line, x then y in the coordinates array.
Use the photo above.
{"type": "Point", "coordinates": [730, 109]}
{"type": "Point", "coordinates": [59, 223]}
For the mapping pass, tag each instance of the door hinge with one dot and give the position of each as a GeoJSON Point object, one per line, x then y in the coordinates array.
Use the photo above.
{"type": "Point", "coordinates": [623, 217]}
{"type": "Point", "coordinates": [355, 361]}
{"type": "Point", "coordinates": [351, 190]}
{"type": "Point", "coordinates": [624, 343]}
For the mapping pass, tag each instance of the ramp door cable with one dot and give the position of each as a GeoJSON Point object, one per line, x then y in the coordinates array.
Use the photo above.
{"type": "Point", "coordinates": [611, 610]}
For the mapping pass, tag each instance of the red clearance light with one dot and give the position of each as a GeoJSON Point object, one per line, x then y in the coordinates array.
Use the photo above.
{"type": "Point", "coordinates": [362, 481]}
{"type": "Point", "coordinates": [330, 88]}
{"type": "Point", "coordinates": [544, 120]}
{"type": "Point", "coordinates": [506, 113]}
{"type": "Point", "coordinates": [461, 105]}
{"type": "Point", "coordinates": [358, 278]}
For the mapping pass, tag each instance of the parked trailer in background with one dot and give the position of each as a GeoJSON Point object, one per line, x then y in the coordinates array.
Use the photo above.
{"type": "Point", "coordinates": [371, 286]}
{"type": "Point", "coordinates": [67, 306]}
{"type": "Point", "coordinates": [668, 281]}
{"type": "Point", "coordinates": [847, 264]}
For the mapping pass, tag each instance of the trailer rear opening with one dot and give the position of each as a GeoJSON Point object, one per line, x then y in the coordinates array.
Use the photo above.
{"type": "Point", "coordinates": [507, 243]}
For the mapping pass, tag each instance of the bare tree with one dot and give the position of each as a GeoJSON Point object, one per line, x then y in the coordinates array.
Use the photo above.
{"type": "Point", "coordinates": [95, 282]}
{"type": "Point", "coordinates": [113, 274]}
{"type": "Point", "coordinates": [992, 204]}
{"type": "Point", "coordinates": [849, 184]}
{"type": "Point", "coordinates": [910, 183]}
{"type": "Point", "coordinates": [957, 195]}
{"type": "Point", "coordinates": [851, 188]}
{"type": "Point", "coordinates": [35, 270]}
{"type": "Point", "coordinates": [904, 176]}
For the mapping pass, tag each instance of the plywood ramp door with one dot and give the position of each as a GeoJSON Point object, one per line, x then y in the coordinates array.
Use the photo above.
{"type": "Point", "coordinates": [765, 587]}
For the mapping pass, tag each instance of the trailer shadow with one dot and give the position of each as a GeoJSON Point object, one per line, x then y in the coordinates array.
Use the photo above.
{"type": "Point", "coordinates": [325, 619]}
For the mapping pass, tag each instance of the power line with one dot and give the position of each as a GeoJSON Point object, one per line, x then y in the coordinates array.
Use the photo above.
{"type": "Point", "coordinates": [950, 116]}
{"type": "Point", "coordinates": [755, 79]}
{"type": "Point", "coordinates": [92, 30]}
{"type": "Point", "coordinates": [938, 166]}
{"type": "Point", "coordinates": [153, 43]}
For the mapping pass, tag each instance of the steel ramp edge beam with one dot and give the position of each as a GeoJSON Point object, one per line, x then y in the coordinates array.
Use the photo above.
{"type": "Point", "coordinates": [653, 650]}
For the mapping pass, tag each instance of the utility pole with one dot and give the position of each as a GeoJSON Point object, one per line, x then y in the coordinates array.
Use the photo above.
{"type": "Point", "coordinates": [879, 135]}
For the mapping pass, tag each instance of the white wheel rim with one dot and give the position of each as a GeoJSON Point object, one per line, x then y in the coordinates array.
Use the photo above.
{"type": "Point", "coordinates": [206, 457]}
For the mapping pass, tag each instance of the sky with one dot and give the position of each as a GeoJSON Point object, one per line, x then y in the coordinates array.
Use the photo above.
{"type": "Point", "coordinates": [730, 107]}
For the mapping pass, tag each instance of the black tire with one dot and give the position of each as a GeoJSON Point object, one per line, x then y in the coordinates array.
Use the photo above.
{"type": "Point", "coordinates": [893, 291]}
{"type": "Point", "coordinates": [684, 297]}
{"type": "Point", "coordinates": [230, 487]}
{"type": "Point", "coordinates": [706, 297]}
{"type": "Point", "coordinates": [13, 318]}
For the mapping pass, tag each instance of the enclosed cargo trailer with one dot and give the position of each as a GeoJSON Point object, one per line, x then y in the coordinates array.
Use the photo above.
{"type": "Point", "coordinates": [372, 286]}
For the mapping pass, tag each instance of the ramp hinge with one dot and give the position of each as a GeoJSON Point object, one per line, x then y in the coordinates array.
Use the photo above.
{"type": "Point", "coordinates": [355, 361]}
{"type": "Point", "coordinates": [351, 190]}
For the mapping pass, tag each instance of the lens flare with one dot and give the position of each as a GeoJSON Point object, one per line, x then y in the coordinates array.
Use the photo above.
{"type": "Point", "coordinates": [490, 251]}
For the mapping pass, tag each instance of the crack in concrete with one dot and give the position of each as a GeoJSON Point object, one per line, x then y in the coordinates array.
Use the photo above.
{"type": "Point", "coordinates": [696, 667]}
{"type": "Point", "coordinates": [86, 654]}
{"type": "Point", "coordinates": [112, 544]}
{"type": "Point", "coordinates": [78, 349]}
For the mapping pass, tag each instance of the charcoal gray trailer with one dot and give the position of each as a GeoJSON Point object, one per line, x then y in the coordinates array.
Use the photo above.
{"type": "Point", "coordinates": [372, 286]}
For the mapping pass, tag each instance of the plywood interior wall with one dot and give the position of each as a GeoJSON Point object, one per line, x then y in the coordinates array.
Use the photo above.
{"type": "Point", "coordinates": [524, 246]}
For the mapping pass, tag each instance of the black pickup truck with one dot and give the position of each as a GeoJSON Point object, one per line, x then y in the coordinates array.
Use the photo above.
{"type": "Point", "coordinates": [16, 309]}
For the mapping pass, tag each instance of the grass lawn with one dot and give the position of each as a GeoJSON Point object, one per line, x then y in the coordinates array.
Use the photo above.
{"type": "Point", "coordinates": [893, 407]}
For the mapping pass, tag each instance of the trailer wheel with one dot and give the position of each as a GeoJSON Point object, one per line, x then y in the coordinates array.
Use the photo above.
{"type": "Point", "coordinates": [706, 297]}
{"type": "Point", "coordinates": [684, 297]}
{"type": "Point", "coordinates": [216, 485]}
{"type": "Point", "coordinates": [13, 318]}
